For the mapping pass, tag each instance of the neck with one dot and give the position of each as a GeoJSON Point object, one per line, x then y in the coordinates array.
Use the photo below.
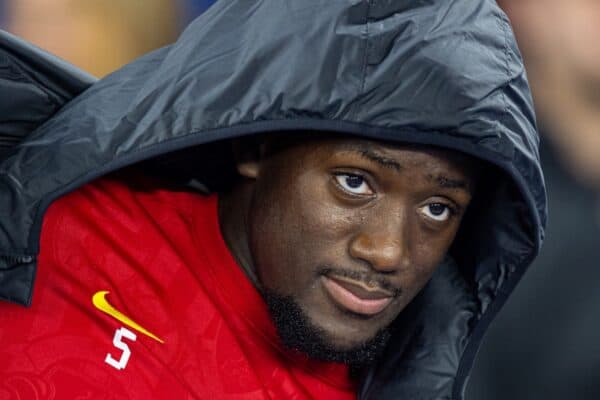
{"type": "Point", "coordinates": [233, 216]}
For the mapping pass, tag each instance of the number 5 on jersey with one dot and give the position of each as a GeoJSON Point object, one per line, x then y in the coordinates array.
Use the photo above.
{"type": "Point", "coordinates": [120, 334]}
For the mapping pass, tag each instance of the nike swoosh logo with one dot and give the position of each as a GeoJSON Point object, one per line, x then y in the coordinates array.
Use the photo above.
{"type": "Point", "coordinates": [100, 302]}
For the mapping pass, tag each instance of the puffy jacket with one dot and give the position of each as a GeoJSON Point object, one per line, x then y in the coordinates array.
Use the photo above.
{"type": "Point", "coordinates": [442, 73]}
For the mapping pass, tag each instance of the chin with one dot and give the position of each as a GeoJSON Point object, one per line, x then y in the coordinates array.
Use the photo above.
{"type": "Point", "coordinates": [343, 342]}
{"type": "Point", "coordinates": [344, 332]}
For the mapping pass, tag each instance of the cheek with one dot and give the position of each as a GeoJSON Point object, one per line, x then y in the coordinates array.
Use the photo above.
{"type": "Point", "coordinates": [427, 254]}
{"type": "Point", "coordinates": [294, 233]}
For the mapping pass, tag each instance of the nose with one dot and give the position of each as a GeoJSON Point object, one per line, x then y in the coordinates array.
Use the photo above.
{"type": "Point", "coordinates": [383, 245]}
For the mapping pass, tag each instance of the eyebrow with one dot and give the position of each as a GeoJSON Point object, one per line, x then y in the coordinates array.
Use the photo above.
{"type": "Point", "coordinates": [441, 180]}
{"type": "Point", "coordinates": [378, 158]}
{"type": "Point", "coordinates": [449, 183]}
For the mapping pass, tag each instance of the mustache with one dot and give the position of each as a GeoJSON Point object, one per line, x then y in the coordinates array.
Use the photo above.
{"type": "Point", "coordinates": [368, 278]}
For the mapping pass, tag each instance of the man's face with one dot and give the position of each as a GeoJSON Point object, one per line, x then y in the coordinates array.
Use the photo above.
{"type": "Point", "coordinates": [349, 231]}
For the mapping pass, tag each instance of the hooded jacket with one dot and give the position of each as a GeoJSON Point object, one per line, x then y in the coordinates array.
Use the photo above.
{"type": "Point", "coordinates": [441, 73]}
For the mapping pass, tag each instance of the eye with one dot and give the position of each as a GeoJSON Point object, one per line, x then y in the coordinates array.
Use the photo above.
{"type": "Point", "coordinates": [354, 184]}
{"type": "Point", "coordinates": [437, 211]}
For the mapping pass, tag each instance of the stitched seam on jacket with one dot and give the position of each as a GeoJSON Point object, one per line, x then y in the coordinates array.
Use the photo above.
{"type": "Point", "coordinates": [503, 26]}
{"type": "Point", "coordinates": [365, 60]}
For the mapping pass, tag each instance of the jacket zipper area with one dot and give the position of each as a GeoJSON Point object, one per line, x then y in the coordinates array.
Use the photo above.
{"type": "Point", "coordinates": [8, 261]}
{"type": "Point", "coordinates": [17, 273]}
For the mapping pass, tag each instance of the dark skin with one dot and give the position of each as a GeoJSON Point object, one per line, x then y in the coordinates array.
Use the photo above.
{"type": "Point", "coordinates": [372, 217]}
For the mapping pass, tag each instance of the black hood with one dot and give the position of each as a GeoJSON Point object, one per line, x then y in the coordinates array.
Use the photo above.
{"type": "Point", "coordinates": [33, 86]}
{"type": "Point", "coordinates": [443, 73]}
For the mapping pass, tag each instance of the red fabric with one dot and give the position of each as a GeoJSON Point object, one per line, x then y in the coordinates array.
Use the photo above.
{"type": "Point", "coordinates": [161, 257]}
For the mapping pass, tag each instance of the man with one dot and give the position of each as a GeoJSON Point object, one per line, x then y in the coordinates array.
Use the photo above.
{"type": "Point", "coordinates": [378, 196]}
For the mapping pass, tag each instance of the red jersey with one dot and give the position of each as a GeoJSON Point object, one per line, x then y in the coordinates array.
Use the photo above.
{"type": "Point", "coordinates": [138, 297]}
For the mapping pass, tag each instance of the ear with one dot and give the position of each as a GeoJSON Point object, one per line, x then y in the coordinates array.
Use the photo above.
{"type": "Point", "coordinates": [248, 169]}
{"type": "Point", "coordinates": [247, 158]}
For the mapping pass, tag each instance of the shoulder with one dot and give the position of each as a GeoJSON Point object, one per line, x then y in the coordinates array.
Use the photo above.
{"type": "Point", "coordinates": [118, 219]}
{"type": "Point", "coordinates": [125, 199]}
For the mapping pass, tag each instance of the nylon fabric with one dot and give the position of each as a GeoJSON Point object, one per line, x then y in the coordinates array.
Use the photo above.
{"type": "Point", "coordinates": [34, 85]}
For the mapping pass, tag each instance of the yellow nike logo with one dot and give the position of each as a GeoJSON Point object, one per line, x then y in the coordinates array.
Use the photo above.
{"type": "Point", "coordinates": [100, 302]}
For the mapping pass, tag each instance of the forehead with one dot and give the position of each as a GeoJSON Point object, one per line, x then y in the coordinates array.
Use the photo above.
{"type": "Point", "coordinates": [380, 154]}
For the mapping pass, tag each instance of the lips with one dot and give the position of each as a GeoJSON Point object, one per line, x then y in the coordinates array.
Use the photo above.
{"type": "Point", "coordinates": [357, 296]}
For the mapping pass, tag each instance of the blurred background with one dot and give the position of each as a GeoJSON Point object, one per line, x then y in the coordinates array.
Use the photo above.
{"type": "Point", "coordinates": [545, 344]}
{"type": "Point", "coordinates": [99, 36]}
